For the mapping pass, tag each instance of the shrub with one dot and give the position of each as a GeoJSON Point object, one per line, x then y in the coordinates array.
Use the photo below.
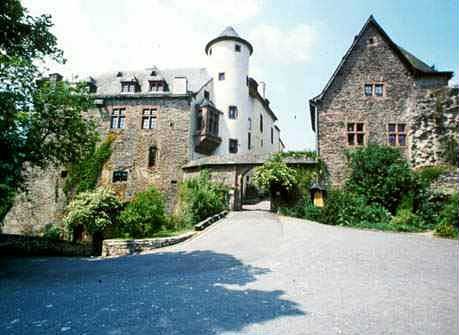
{"type": "Point", "coordinates": [448, 223]}
{"type": "Point", "coordinates": [380, 174]}
{"type": "Point", "coordinates": [94, 210]}
{"type": "Point", "coordinates": [450, 149]}
{"type": "Point", "coordinates": [406, 220]}
{"type": "Point", "coordinates": [201, 198]}
{"type": "Point", "coordinates": [52, 232]}
{"type": "Point", "coordinates": [144, 215]}
{"type": "Point", "coordinates": [349, 209]}
{"type": "Point", "coordinates": [304, 209]}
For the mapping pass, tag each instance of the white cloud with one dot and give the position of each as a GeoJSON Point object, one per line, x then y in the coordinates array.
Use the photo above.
{"type": "Point", "coordinates": [274, 45]}
{"type": "Point", "coordinates": [107, 35]}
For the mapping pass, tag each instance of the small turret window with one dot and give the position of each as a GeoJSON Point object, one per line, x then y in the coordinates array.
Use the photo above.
{"type": "Point", "coordinates": [221, 76]}
{"type": "Point", "coordinates": [237, 48]}
{"type": "Point", "coordinates": [232, 112]}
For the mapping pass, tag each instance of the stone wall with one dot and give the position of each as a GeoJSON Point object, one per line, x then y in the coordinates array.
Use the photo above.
{"type": "Point", "coordinates": [42, 204]}
{"type": "Point", "coordinates": [131, 146]}
{"type": "Point", "coordinates": [435, 119]}
{"type": "Point", "coordinates": [345, 102]}
{"type": "Point", "coordinates": [19, 245]}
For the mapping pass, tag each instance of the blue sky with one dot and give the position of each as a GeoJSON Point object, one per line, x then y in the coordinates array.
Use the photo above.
{"type": "Point", "coordinates": [297, 44]}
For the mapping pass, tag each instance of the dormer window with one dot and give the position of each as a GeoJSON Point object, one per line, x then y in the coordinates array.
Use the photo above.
{"type": "Point", "coordinates": [92, 88]}
{"type": "Point", "coordinates": [156, 86]}
{"type": "Point", "coordinates": [153, 73]}
{"type": "Point", "coordinates": [119, 74]}
{"type": "Point", "coordinates": [237, 48]}
{"type": "Point", "coordinates": [129, 87]}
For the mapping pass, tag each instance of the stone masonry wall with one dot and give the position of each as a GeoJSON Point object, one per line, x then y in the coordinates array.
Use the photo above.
{"type": "Point", "coordinates": [345, 101]}
{"type": "Point", "coordinates": [435, 119]}
{"type": "Point", "coordinates": [131, 146]}
{"type": "Point", "coordinates": [44, 203]}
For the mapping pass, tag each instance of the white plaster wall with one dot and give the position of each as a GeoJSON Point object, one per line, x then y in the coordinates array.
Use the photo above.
{"type": "Point", "coordinates": [231, 91]}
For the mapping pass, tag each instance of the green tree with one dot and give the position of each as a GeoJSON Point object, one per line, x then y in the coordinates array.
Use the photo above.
{"type": "Point", "coordinates": [40, 121]}
{"type": "Point", "coordinates": [381, 174]}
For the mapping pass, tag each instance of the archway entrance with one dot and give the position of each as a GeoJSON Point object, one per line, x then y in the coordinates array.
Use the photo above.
{"type": "Point", "coordinates": [252, 198]}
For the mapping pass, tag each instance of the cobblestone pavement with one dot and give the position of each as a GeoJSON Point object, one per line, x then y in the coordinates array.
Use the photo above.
{"type": "Point", "coordinates": [251, 273]}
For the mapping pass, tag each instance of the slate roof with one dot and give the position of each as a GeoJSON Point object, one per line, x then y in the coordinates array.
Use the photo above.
{"type": "Point", "coordinates": [110, 83]}
{"type": "Point", "coordinates": [229, 34]}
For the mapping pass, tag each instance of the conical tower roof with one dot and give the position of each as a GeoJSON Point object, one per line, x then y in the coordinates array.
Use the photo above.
{"type": "Point", "coordinates": [229, 34]}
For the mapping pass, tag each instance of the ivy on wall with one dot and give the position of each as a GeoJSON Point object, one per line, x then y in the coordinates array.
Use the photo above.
{"type": "Point", "coordinates": [83, 175]}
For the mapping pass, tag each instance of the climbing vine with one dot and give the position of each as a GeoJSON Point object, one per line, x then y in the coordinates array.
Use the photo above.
{"type": "Point", "coordinates": [83, 175]}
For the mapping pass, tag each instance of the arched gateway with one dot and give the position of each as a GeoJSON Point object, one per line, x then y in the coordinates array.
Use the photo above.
{"type": "Point", "coordinates": [231, 170]}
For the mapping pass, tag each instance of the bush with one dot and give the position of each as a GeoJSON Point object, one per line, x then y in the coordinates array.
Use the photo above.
{"type": "Point", "coordinates": [406, 220]}
{"type": "Point", "coordinates": [349, 209]}
{"type": "Point", "coordinates": [201, 198]}
{"type": "Point", "coordinates": [448, 223]}
{"type": "Point", "coordinates": [380, 174]}
{"type": "Point", "coordinates": [144, 215]}
{"type": "Point", "coordinates": [304, 209]}
{"type": "Point", "coordinates": [94, 210]}
{"type": "Point", "coordinates": [52, 232]}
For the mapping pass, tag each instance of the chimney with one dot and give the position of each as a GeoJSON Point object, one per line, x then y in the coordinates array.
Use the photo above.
{"type": "Point", "coordinates": [180, 85]}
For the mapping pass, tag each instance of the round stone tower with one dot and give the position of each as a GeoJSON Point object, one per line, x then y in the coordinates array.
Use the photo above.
{"type": "Point", "coordinates": [228, 64]}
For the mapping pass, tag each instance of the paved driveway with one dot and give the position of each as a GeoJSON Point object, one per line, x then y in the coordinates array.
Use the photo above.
{"type": "Point", "coordinates": [252, 273]}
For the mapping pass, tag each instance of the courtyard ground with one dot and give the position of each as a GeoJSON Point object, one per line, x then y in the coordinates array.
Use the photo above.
{"type": "Point", "coordinates": [252, 273]}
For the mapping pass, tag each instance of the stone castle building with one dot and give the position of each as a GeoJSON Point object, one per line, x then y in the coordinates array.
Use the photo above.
{"type": "Point", "coordinates": [381, 93]}
{"type": "Point", "coordinates": [162, 120]}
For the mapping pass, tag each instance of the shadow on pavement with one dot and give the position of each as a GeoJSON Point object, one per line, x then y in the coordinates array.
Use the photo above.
{"type": "Point", "coordinates": [198, 292]}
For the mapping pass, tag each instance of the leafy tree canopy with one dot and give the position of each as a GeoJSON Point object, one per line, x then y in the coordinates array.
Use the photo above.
{"type": "Point", "coordinates": [40, 120]}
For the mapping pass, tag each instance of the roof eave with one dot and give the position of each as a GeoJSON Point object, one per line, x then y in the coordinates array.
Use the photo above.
{"type": "Point", "coordinates": [228, 38]}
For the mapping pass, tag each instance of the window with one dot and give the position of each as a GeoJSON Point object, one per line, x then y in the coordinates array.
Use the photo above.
{"type": "Point", "coordinates": [397, 134]}
{"type": "Point", "coordinates": [92, 88]}
{"type": "Point", "coordinates": [212, 119]}
{"type": "Point", "coordinates": [152, 153]}
{"type": "Point", "coordinates": [379, 89]}
{"type": "Point", "coordinates": [149, 119]}
{"type": "Point", "coordinates": [355, 134]}
{"type": "Point", "coordinates": [261, 123]}
{"type": "Point", "coordinates": [199, 121]}
{"type": "Point", "coordinates": [374, 89]}
{"type": "Point", "coordinates": [232, 112]}
{"type": "Point", "coordinates": [221, 76]}
{"type": "Point", "coordinates": [153, 73]}
{"type": "Point", "coordinates": [129, 87]}
{"type": "Point", "coordinates": [206, 95]}
{"type": "Point", "coordinates": [119, 176]}
{"type": "Point", "coordinates": [371, 41]}
{"type": "Point", "coordinates": [233, 146]}
{"type": "Point", "coordinates": [237, 48]}
{"type": "Point", "coordinates": [156, 86]}
{"type": "Point", "coordinates": [368, 90]}
{"type": "Point", "coordinates": [117, 119]}
{"type": "Point", "coordinates": [249, 141]}
{"type": "Point", "coordinates": [261, 143]}
{"type": "Point", "coordinates": [210, 51]}
{"type": "Point", "coordinates": [250, 123]}
{"type": "Point", "coordinates": [272, 136]}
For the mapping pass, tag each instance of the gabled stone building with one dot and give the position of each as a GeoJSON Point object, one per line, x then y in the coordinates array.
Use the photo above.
{"type": "Point", "coordinates": [162, 120]}
{"type": "Point", "coordinates": [381, 93]}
